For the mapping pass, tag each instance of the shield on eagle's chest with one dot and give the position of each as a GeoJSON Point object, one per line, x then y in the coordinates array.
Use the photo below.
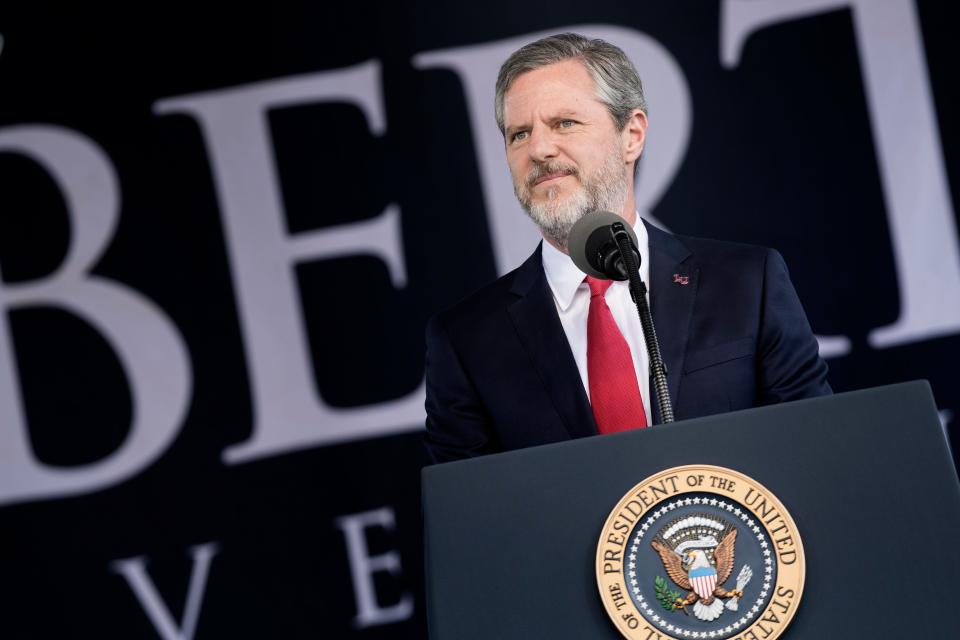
{"type": "Point", "coordinates": [704, 581]}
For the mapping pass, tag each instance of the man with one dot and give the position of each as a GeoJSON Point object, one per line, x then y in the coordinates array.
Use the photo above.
{"type": "Point", "coordinates": [544, 354]}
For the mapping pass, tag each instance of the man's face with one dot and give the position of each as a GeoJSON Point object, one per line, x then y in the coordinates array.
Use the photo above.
{"type": "Point", "coordinates": [564, 151]}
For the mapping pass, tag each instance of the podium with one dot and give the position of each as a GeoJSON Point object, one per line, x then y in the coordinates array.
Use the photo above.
{"type": "Point", "coordinates": [511, 539]}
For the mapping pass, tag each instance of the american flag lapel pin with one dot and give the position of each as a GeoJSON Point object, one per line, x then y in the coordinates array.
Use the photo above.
{"type": "Point", "coordinates": [681, 280]}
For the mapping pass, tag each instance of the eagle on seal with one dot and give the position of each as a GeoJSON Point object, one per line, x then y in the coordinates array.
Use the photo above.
{"type": "Point", "coordinates": [689, 566]}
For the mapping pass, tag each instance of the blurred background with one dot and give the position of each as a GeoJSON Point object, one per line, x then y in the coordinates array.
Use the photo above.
{"type": "Point", "coordinates": [222, 231]}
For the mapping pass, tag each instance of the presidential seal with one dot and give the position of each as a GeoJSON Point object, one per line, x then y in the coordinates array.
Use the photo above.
{"type": "Point", "coordinates": [700, 552]}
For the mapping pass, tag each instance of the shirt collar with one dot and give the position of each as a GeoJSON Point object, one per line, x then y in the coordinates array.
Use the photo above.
{"type": "Point", "coordinates": [564, 277]}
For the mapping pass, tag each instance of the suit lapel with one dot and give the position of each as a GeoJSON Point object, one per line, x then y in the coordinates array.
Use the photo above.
{"type": "Point", "coordinates": [535, 318]}
{"type": "Point", "coordinates": [671, 303]}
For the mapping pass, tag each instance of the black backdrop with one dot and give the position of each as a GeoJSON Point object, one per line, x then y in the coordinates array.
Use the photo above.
{"type": "Point", "coordinates": [778, 150]}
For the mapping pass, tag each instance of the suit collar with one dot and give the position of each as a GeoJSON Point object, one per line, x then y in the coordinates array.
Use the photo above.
{"type": "Point", "coordinates": [667, 244]}
{"type": "Point", "coordinates": [526, 275]}
{"type": "Point", "coordinates": [671, 302]}
{"type": "Point", "coordinates": [535, 318]}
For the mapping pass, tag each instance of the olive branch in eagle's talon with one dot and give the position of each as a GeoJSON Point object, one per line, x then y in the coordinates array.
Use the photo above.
{"type": "Point", "coordinates": [667, 597]}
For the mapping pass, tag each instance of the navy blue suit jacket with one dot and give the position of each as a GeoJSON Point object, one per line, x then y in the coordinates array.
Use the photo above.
{"type": "Point", "coordinates": [501, 375]}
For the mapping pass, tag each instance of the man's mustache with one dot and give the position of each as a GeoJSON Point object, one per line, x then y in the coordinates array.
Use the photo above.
{"type": "Point", "coordinates": [542, 169]}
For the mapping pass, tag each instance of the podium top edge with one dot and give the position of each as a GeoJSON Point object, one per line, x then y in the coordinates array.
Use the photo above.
{"type": "Point", "coordinates": [919, 387]}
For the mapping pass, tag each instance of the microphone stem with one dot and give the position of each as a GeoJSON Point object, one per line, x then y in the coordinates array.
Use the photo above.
{"type": "Point", "coordinates": [638, 290]}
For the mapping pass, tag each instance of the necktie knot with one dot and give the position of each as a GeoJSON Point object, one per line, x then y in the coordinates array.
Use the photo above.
{"type": "Point", "coordinates": [597, 286]}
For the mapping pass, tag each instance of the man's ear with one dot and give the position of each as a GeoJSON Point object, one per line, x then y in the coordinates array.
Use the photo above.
{"type": "Point", "coordinates": [634, 135]}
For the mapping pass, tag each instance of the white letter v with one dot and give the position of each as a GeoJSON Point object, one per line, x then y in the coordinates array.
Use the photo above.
{"type": "Point", "coordinates": [135, 572]}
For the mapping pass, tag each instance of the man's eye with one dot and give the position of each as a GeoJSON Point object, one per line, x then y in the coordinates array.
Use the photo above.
{"type": "Point", "coordinates": [566, 124]}
{"type": "Point", "coordinates": [519, 135]}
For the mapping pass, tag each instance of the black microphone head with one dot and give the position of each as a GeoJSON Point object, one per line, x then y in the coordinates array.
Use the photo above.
{"type": "Point", "coordinates": [592, 248]}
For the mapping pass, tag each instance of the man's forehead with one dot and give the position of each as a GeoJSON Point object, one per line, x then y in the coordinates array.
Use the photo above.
{"type": "Point", "coordinates": [561, 86]}
{"type": "Point", "coordinates": [570, 73]}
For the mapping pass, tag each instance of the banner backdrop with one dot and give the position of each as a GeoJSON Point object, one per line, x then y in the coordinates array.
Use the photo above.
{"type": "Point", "coordinates": [222, 233]}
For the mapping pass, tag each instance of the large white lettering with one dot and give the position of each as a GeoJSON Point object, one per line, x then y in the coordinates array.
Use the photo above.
{"type": "Point", "coordinates": [903, 120]}
{"type": "Point", "coordinates": [288, 414]}
{"type": "Point", "coordinates": [363, 566]}
{"type": "Point", "coordinates": [134, 570]}
{"type": "Point", "coordinates": [151, 350]}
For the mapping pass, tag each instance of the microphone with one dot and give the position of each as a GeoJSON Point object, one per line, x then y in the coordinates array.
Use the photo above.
{"type": "Point", "coordinates": [603, 246]}
{"type": "Point", "coordinates": [594, 248]}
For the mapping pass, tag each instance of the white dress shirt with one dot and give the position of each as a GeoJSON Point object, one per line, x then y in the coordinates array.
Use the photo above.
{"type": "Point", "coordinates": [572, 297]}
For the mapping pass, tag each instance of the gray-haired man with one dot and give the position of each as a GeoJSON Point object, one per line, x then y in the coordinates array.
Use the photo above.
{"type": "Point", "coordinates": [543, 354]}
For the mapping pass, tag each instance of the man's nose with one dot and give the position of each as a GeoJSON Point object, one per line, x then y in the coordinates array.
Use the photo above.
{"type": "Point", "coordinates": [543, 145]}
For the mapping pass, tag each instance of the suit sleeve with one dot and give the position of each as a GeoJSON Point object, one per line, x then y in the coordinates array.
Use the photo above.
{"type": "Point", "coordinates": [790, 364]}
{"type": "Point", "coordinates": [458, 425]}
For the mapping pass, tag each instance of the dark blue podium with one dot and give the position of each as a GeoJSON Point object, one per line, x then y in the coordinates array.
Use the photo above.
{"type": "Point", "coordinates": [867, 476]}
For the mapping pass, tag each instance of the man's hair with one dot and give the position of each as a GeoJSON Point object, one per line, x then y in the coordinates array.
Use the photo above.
{"type": "Point", "coordinates": [615, 80]}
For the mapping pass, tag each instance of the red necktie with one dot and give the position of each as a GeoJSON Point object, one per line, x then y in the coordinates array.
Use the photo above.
{"type": "Point", "coordinates": [614, 392]}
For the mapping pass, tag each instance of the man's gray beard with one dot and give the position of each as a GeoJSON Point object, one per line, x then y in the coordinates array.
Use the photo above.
{"type": "Point", "coordinates": [605, 190]}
